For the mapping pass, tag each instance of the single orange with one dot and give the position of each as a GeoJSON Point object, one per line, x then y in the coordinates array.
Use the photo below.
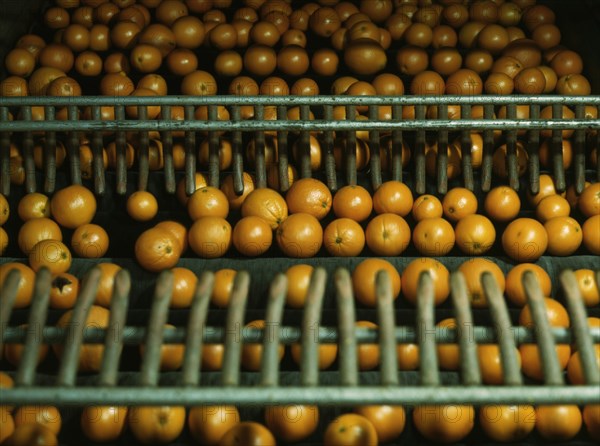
{"type": "Point", "coordinates": [564, 236]}
{"type": "Point", "coordinates": [184, 287]}
{"type": "Point", "coordinates": [387, 235]}
{"type": "Point", "coordinates": [433, 237]}
{"type": "Point", "coordinates": [90, 241]}
{"type": "Point", "coordinates": [473, 270]}
{"type": "Point", "coordinates": [222, 287]}
{"type": "Point", "coordinates": [51, 254]}
{"type": "Point", "coordinates": [427, 206]}
{"type": "Point", "coordinates": [591, 234]}
{"type": "Point", "coordinates": [35, 230]}
{"type": "Point", "coordinates": [210, 237]}
{"type": "Point", "coordinates": [590, 291]}
{"type": "Point", "coordinates": [525, 240]}
{"type": "Point", "coordinates": [551, 207]}
{"type": "Point", "coordinates": [73, 206]}
{"type": "Point", "coordinates": [252, 236]}
{"type": "Point", "coordinates": [309, 196]}
{"type": "Point", "coordinates": [267, 204]}
{"type": "Point", "coordinates": [108, 271]}
{"type": "Point", "coordinates": [515, 292]}
{"type": "Point", "coordinates": [458, 203]}
{"type": "Point", "coordinates": [47, 416]}
{"type": "Point", "coordinates": [235, 200]}
{"type": "Point", "coordinates": [157, 249]}
{"type": "Point", "coordinates": [502, 203]}
{"type": "Point", "coordinates": [558, 422]}
{"type": "Point", "coordinates": [33, 205]}
{"type": "Point", "coordinates": [394, 197]}
{"type": "Point", "coordinates": [439, 275]}
{"type": "Point", "coordinates": [300, 235]}
{"type": "Point", "coordinates": [64, 291]}
{"type": "Point", "coordinates": [142, 206]}
{"type": "Point", "coordinates": [298, 277]}
{"type": "Point", "coordinates": [25, 287]}
{"type": "Point", "coordinates": [178, 230]}
{"type": "Point", "coordinates": [352, 202]}
{"type": "Point", "coordinates": [364, 280]}
{"type": "Point", "coordinates": [344, 237]}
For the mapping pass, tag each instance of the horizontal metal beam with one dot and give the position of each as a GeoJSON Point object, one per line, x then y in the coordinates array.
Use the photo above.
{"type": "Point", "coordinates": [84, 101]}
{"type": "Point", "coordinates": [297, 126]}
{"type": "Point", "coordinates": [342, 396]}
{"type": "Point", "coordinates": [291, 335]}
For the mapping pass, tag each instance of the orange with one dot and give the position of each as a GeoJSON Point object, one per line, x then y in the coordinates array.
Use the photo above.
{"type": "Point", "coordinates": [352, 202]}
{"type": "Point", "coordinates": [591, 418]}
{"type": "Point", "coordinates": [30, 434]}
{"type": "Point", "coordinates": [298, 277]}
{"type": "Point", "coordinates": [7, 424]}
{"type": "Point", "coordinates": [200, 182]}
{"type": "Point", "coordinates": [364, 280]}
{"type": "Point", "coordinates": [448, 354]}
{"type": "Point", "coordinates": [90, 241]}
{"type": "Point", "coordinates": [292, 423]}
{"type": "Point", "coordinates": [103, 423]}
{"type": "Point", "coordinates": [367, 354]}
{"type": "Point", "coordinates": [36, 230]}
{"type": "Point", "coordinates": [184, 287]}
{"type": "Point", "coordinates": [90, 356]}
{"type": "Point", "coordinates": [475, 234]}
{"type": "Point", "coordinates": [64, 291]}
{"type": "Point", "coordinates": [564, 236]}
{"type": "Point", "coordinates": [222, 287]}
{"type": "Point", "coordinates": [309, 196]}
{"type": "Point", "coordinates": [507, 424]}
{"type": "Point", "coordinates": [157, 249]}
{"type": "Point", "coordinates": [552, 206]}
{"type": "Point", "coordinates": [388, 421]}
{"type": "Point", "coordinates": [25, 287]}
{"type": "Point", "coordinates": [156, 424]}
{"type": "Point", "coordinates": [502, 203]}
{"type": "Point", "coordinates": [525, 240]}
{"type": "Point", "coordinates": [51, 254]}
{"type": "Point", "coordinates": [108, 271]}
{"type": "Point", "coordinates": [426, 206]}
{"type": "Point", "coordinates": [236, 201]}
{"type": "Point", "coordinates": [472, 271]}
{"type": "Point", "coordinates": [447, 424]}
{"type": "Point", "coordinates": [514, 286]}
{"type": "Point", "coordinates": [273, 176]}
{"type": "Point", "coordinates": [210, 237]}
{"type": "Point", "coordinates": [267, 204]}
{"type": "Point", "coordinates": [546, 189]}
{"type": "Point", "coordinates": [344, 237]}
{"type": "Point", "coordinates": [208, 202]}
{"type": "Point", "coordinates": [212, 356]}
{"type": "Point", "coordinates": [34, 205]}
{"type": "Point", "coordinates": [589, 200]}
{"type": "Point", "coordinates": [531, 364]}
{"type": "Point", "coordinates": [408, 356]}
{"type": "Point", "coordinates": [393, 197]}
{"type": "Point", "coordinates": [14, 352]}
{"type": "Point", "coordinates": [300, 235]}
{"type": "Point", "coordinates": [458, 203]}
{"type": "Point", "coordinates": [171, 355]}
{"type": "Point", "coordinates": [6, 382]}
{"type": "Point", "coordinates": [47, 416]}
{"type": "Point", "coordinates": [327, 354]}
{"type": "Point", "coordinates": [556, 313]}
{"type": "Point", "coordinates": [350, 430]}
{"type": "Point", "coordinates": [387, 235]}
{"type": "Point", "coordinates": [73, 206]}
{"type": "Point", "coordinates": [178, 230]}
{"type": "Point", "coordinates": [3, 241]}
{"type": "Point", "coordinates": [252, 236]}
{"type": "Point", "coordinates": [247, 432]}
{"type": "Point", "coordinates": [490, 363]}
{"type": "Point", "coordinates": [439, 276]}
{"type": "Point", "coordinates": [433, 237]}
{"type": "Point", "coordinates": [558, 423]}
{"type": "Point", "coordinates": [500, 160]}
{"type": "Point", "coordinates": [574, 370]}
{"type": "Point", "coordinates": [4, 209]}
{"type": "Point", "coordinates": [252, 352]}
{"type": "Point", "coordinates": [590, 292]}
{"type": "Point", "coordinates": [591, 234]}
{"type": "Point", "coordinates": [142, 206]}
{"type": "Point", "coordinates": [572, 196]}
{"type": "Point", "coordinates": [208, 424]}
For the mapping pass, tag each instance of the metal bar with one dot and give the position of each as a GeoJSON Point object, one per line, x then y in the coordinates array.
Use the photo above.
{"type": "Point", "coordinates": [326, 395]}
{"type": "Point", "coordinates": [120, 144]}
{"type": "Point", "coordinates": [512, 166]}
{"type": "Point", "coordinates": [67, 371]}
{"type": "Point", "coordinates": [98, 159]}
{"type": "Point", "coordinates": [167, 142]}
{"type": "Point", "coordinates": [196, 323]}
{"type": "Point", "coordinates": [113, 342]}
{"type": "Point", "coordinates": [309, 364]}
{"type": "Point", "coordinates": [144, 149]}
{"type": "Point", "coordinates": [533, 150]}
{"type": "Point", "coordinates": [547, 347]}
{"type": "Point", "coordinates": [387, 323]}
{"type": "Point", "coordinates": [442, 153]}
{"type": "Point", "coordinates": [37, 318]}
{"type": "Point", "coordinates": [420, 175]}
{"type": "Point", "coordinates": [259, 151]}
{"type": "Point", "coordinates": [282, 153]}
{"type": "Point", "coordinates": [190, 151]}
{"type": "Point", "coordinates": [305, 161]}
{"type": "Point", "coordinates": [238, 154]}
{"type": "Point", "coordinates": [4, 154]}
{"type": "Point", "coordinates": [580, 325]}
{"type": "Point", "coordinates": [579, 153]}
{"type": "Point", "coordinates": [269, 366]}
{"type": "Point", "coordinates": [397, 146]}
{"type": "Point", "coordinates": [511, 369]}
{"type": "Point", "coordinates": [488, 150]}
{"type": "Point", "coordinates": [73, 144]}
{"type": "Point", "coordinates": [327, 335]}
{"type": "Point", "coordinates": [235, 321]}
{"type": "Point", "coordinates": [558, 168]}
{"type": "Point", "coordinates": [467, 146]}
{"type": "Point", "coordinates": [213, 149]}
{"type": "Point", "coordinates": [9, 295]}
{"type": "Point", "coordinates": [375, 162]}
{"type": "Point", "coordinates": [49, 156]}
{"type": "Point", "coordinates": [469, 362]}
{"type": "Point", "coordinates": [27, 153]}
{"type": "Point", "coordinates": [350, 148]}
{"type": "Point", "coordinates": [150, 368]}
{"type": "Point", "coordinates": [425, 325]}
{"type": "Point", "coordinates": [327, 149]}
{"type": "Point", "coordinates": [346, 325]}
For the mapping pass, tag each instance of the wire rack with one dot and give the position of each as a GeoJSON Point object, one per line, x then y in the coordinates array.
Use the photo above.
{"type": "Point", "coordinates": [308, 389]}
{"type": "Point", "coordinates": [416, 128]}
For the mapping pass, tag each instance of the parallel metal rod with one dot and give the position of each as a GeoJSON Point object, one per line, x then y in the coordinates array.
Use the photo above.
{"type": "Point", "coordinates": [309, 364]}
{"type": "Point", "coordinates": [37, 319]}
{"type": "Point", "coordinates": [387, 323]}
{"type": "Point", "coordinates": [511, 150]}
{"type": "Point", "coordinates": [269, 366]}
{"type": "Point", "coordinates": [196, 323]}
{"type": "Point", "coordinates": [556, 149]}
{"type": "Point", "coordinates": [27, 153]}
{"type": "Point", "coordinates": [259, 151]}
{"type": "Point", "coordinates": [234, 324]}
{"type": "Point", "coordinates": [73, 144]}
{"type": "Point", "coordinates": [503, 330]}
{"type": "Point", "coordinates": [327, 149]}
{"type": "Point", "coordinates": [144, 152]}
{"type": "Point", "coordinates": [346, 323]}
{"type": "Point", "coordinates": [98, 161]}
{"type": "Point", "coordinates": [282, 154]}
{"type": "Point", "coordinates": [326, 395]}
{"type": "Point", "coordinates": [350, 149]}
{"type": "Point", "coordinates": [375, 162]}
{"type": "Point", "coordinates": [213, 149]}
{"type": "Point", "coordinates": [49, 157]}
{"type": "Point", "coordinates": [4, 154]}
{"type": "Point", "coordinates": [578, 317]}
{"type": "Point", "coordinates": [420, 176]}
{"type": "Point", "coordinates": [397, 145]}
{"type": "Point", "coordinates": [113, 342]}
{"type": "Point", "coordinates": [579, 152]}
{"type": "Point", "coordinates": [167, 142]}
{"type": "Point", "coordinates": [533, 152]}
{"type": "Point", "coordinates": [546, 345]}
{"type": "Point", "coordinates": [238, 154]}
{"type": "Point", "coordinates": [9, 295]}
{"type": "Point", "coordinates": [442, 153]}
{"type": "Point", "coordinates": [190, 152]}
{"type": "Point", "coordinates": [488, 150]}
{"type": "Point", "coordinates": [469, 362]}
{"type": "Point", "coordinates": [466, 145]}
{"type": "Point", "coordinates": [304, 152]}
{"type": "Point", "coordinates": [425, 328]}
{"type": "Point", "coordinates": [149, 372]}
{"type": "Point", "coordinates": [67, 371]}
{"type": "Point", "coordinates": [120, 146]}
